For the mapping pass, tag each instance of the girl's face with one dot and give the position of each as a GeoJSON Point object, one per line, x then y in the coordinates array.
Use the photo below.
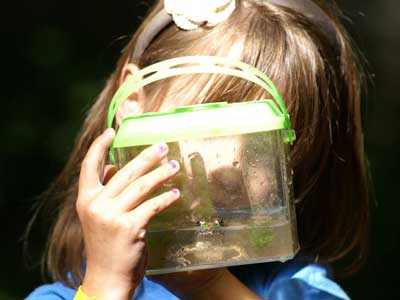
{"type": "Point", "coordinates": [237, 176]}
{"type": "Point", "coordinates": [222, 161]}
{"type": "Point", "coordinates": [225, 170]}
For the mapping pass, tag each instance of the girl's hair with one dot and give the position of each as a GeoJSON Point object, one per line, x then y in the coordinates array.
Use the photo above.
{"type": "Point", "coordinates": [321, 87]}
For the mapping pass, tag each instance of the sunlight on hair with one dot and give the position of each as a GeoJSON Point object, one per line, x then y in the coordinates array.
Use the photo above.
{"type": "Point", "coordinates": [236, 51]}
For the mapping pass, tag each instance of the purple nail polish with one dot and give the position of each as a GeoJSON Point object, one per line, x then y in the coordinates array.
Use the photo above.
{"type": "Point", "coordinates": [173, 164]}
{"type": "Point", "coordinates": [162, 148]}
{"type": "Point", "coordinates": [175, 191]}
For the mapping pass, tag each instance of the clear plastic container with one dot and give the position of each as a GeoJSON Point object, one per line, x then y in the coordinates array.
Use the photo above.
{"type": "Point", "coordinates": [236, 186]}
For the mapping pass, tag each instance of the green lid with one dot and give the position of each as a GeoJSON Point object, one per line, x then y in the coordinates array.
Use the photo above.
{"type": "Point", "coordinates": [202, 120]}
{"type": "Point", "coordinates": [199, 121]}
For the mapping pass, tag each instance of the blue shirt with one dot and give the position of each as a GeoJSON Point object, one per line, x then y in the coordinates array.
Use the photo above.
{"type": "Point", "coordinates": [292, 280]}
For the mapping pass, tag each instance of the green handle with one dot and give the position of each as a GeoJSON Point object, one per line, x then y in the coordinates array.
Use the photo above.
{"type": "Point", "coordinates": [200, 64]}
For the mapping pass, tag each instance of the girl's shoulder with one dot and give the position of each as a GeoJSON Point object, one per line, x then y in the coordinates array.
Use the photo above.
{"type": "Point", "coordinates": [53, 291]}
{"type": "Point", "coordinates": [293, 280]}
{"type": "Point", "coordinates": [147, 290]}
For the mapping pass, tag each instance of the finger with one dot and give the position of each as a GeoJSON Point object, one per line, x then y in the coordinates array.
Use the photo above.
{"type": "Point", "coordinates": [142, 214]}
{"type": "Point", "coordinates": [91, 164]}
{"type": "Point", "coordinates": [138, 191]}
{"type": "Point", "coordinates": [140, 165]}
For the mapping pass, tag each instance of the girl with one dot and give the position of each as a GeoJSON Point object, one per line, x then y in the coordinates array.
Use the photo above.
{"type": "Point", "coordinates": [97, 248]}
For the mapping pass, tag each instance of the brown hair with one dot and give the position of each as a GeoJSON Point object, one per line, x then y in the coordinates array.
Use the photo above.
{"type": "Point", "coordinates": [322, 92]}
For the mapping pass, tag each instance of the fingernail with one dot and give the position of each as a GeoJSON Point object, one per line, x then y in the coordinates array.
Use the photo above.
{"type": "Point", "coordinates": [161, 148]}
{"type": "Point", "coordinates": [175, 192]}
{"type": "Point", "coordinates": [173, 164]}
{"type": "Point", "coordinates": [108, 132]}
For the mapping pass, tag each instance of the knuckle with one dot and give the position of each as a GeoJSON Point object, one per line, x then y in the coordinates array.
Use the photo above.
{"type": "Point", "coordinates": [107, 217]}
{"type": "Point", "coordinates": [131, 174]}
{"type": "Point", "coordinates": [123, 224]}
{"type": "Point", "coordinates": [158, 176]}
{"type": "Point", "coordinates": [149, 154]}
{"type": "Point", "coordinates": [162, 173]}
{"type": "Point", "coordinates": [93, 212]}
{"type": "Point", "coordinates": [155, 207]}
{"type": "Point", "coordinates": [141, 185]}
{"type": "Point", "coordinates": [90, 211]}
{"type": "Point", "coordinates": [161, 202]}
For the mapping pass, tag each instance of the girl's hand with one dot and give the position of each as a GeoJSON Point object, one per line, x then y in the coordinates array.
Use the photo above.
{"type": "Point", "coordinates": [114, 216]}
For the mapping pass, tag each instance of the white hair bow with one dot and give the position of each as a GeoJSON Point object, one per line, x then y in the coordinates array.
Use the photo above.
{"type": "Point", "coordinates": [190, 14]}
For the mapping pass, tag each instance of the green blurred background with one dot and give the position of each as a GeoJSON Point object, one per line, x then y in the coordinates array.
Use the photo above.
{"type": "Point", "coordinates": [56, 56]}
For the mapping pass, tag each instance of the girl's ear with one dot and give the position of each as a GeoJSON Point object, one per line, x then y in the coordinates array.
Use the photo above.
{"type": "Point", "coordinates": [131, 105]}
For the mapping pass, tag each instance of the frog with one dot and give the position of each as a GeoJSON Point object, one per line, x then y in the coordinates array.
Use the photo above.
{"type": "Point", "coordinates": [210, 227]}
